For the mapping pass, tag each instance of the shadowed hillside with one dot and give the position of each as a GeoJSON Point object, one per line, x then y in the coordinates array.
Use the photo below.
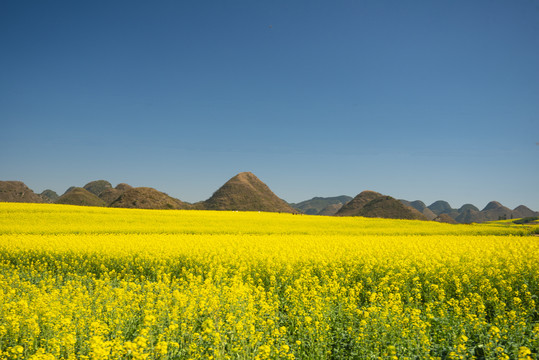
{"type": "Point", "coordinates": [445, 218]}
{"type": "Point", "coordinates": [147, 198]}
{"type": "Point", "coordinates": [331, 209]}
{"type": "Point", "coordinates": [421, 207]}
{"type": "Point", "coordinates": [469, 216]}
{"type": "Point", "coordinates": [80, 196]}
{"type": "Point", "coordinates": [353, 207]}
{"type": "Point", "coordinates": [97, 187]}
{"type": "Point", "coordinates": [110, 195]}
{"type": "Point", "coordinates": [245, 192]}
{"type": "Point", "coordinates": [49, 196]}
{"type": "Point", "coordinates": [390, 208]}
{"type": "Point", "coordinates": [17, 191]}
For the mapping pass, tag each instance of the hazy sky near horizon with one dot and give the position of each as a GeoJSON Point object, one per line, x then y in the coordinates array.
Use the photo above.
{"type": "Point", "coordinates": [419, 100]}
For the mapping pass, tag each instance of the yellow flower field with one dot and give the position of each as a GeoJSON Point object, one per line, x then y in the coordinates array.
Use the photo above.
{"type": "Point", "coordinates": [102, 283]}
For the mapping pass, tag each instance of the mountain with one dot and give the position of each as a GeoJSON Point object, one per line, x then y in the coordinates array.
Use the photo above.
{"type": "Point", "coordinates": [421, 207]}
{"type": "Point", "coordinates": [373, 204]}
{"type": "Point", "coordinates": [492, 206]}
{"type": "Point", "coordinates": [69, 189]}
{"type": "Point", "coordinates": [522, 211]}
{"type": "Point", "coordinates": [97, 187]}
{"type": "Point", "coordinates": [245, 192]}
{"type": "Point", "coordinates": [17, 191]}
{"type": "Point", "coordinates": [147, 198]}
{"type": "Point", "coordinates": [109, 195]}
{"type": "Point", "coordinates": [495, 211]}
{"type": "Point", "coordinates": [353, 207]}
{"type": "Point", "coordinates": [330, 210]}
{"type": "Point", "coordinates": [315, 205]}
{"type": "Point", "coordinates": [80, 196]}
{"type": "Point", "coordinates": [49, 196]}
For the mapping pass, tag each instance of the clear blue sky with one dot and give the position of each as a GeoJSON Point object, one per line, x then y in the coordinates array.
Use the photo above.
{"type": "Point", "coordinates": [420, 100]}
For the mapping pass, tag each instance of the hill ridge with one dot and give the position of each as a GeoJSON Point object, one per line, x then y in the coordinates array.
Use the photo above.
{"type": "Point", "coordinates": [147, 198]}
{"type": "Point", "coordinates": [246, 192]}
{"type": "Point", "coordinates": [373, 204]}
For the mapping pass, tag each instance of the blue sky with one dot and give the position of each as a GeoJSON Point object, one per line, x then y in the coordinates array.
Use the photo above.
{"type": "Point", "coordinates": [420, 100]}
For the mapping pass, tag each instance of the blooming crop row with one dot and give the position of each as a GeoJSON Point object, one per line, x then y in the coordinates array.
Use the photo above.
{"type": "Point", "coordinates": [80, 282]}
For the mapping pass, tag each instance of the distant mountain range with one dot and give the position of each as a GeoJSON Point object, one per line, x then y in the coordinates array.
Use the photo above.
{"type": "Point", "coordinates": [322, 205]}
{"type": "Point", "coordinates": [245, 192]}
{"type": "Point", "coordinates": [469, 213]}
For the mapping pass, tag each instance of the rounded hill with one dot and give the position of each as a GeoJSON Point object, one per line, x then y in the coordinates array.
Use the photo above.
{"type": "Point", "coordinates": [355, 205]}
{"type": "Point", "coordinates": [440, 207]}
{"type": "Point", "coordinates": [80, 196]}
{"type": "Point", "coordinates": [97, 187]}
{"type": "Point", "coordinates": [390, 208]}
{"type": "Point", "coordinates": [49, 195]}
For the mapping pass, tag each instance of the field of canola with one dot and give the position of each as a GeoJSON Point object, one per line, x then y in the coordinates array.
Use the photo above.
{"type": "Point", "coordinates": [100, 283]}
